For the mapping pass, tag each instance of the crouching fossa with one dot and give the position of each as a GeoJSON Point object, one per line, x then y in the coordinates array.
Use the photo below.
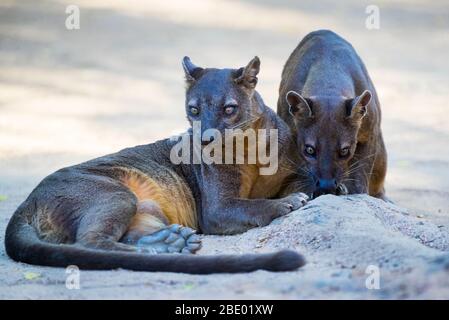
{"type": "Point", "coordinates": [330, 102]}
{"type": "Point", "coordinates": [238, 146]}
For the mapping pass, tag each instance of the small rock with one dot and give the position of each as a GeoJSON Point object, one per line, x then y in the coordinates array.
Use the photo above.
{"type": "Point", "coordinates": [31, 275]}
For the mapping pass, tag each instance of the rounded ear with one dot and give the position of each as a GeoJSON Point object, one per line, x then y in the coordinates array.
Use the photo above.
{"type": "Point", "coordinates": [359, 107]}
{"type": "Point", "coordinates": [190, 69]}
{"type": "Point", "coordinates": [299, 108]}
{"type": "Point", "coordinates": [248, 76]}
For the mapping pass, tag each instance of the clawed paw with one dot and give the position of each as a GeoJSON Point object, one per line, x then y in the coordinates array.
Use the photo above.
{"type": "Point", "coordinates": [342, 190]}
{"type": "Point", "coordinates": [172, 239]}
{"type": "Point", "coordinates": [293, 202]}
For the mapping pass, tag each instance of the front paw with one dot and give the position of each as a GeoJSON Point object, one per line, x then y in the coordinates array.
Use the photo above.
{"type": "Point", "coordinates": [342, 190]}
{"type": "Point", "coordinates": [291, 203]}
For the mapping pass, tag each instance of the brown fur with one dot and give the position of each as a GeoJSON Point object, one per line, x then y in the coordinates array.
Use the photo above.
{"type": "Point", "coordinates": [248, 178]}
{"type": "Point", "coordinates": [182, 211]}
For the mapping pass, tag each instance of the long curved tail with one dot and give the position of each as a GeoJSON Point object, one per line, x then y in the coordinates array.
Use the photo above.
{"type": "Point", "coordinates": [23, 244]}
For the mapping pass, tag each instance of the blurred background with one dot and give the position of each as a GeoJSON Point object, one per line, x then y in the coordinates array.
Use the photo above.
{"type": "Point", "coordinates": [70, 95]}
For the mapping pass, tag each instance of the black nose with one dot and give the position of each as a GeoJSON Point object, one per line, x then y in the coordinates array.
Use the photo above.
{"type": "Point", "coordinates": [326, 186]}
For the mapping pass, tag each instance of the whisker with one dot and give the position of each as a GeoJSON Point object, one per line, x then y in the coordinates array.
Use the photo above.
{"type": "Point", "coordinates": [289, 170]}
{"type": "Point", "coordinates": [247, 121]}
{"type": "Point", "coordinates": [359, 160]}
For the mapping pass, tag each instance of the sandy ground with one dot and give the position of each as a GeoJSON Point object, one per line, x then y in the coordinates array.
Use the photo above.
{"type": "Point", "coordinates": [68, 96]}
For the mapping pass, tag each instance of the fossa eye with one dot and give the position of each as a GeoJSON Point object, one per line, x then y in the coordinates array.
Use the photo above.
{"type": "Point", "coordinates": [230, 109]}
{"type": "Point", "coordinates": [310, 151]}
{"type": "Point", "coordinates": [194, 111]}
{"type": "Point", "coordinates": [344, 152]}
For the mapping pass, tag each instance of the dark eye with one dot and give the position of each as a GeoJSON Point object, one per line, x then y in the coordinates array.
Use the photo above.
{"type": "Point", "coordinates": [194, 111]}
{"type": "Point", "coordinates": [344, 152]}
{"type": "Point", "coordinates": [309, 150]}
{"type": "Point", "coordinates": [230, 109]}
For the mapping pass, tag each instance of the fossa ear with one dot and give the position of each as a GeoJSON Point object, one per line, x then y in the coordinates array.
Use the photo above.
{"type": "Point", "coordinates": [359, 105]}
{"type": "Point", "coordinates": [191, 70]}
{"type": "Point", "coordinates": [247, 76]}
{"type": "Point", "coordinates": [299, 107]}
